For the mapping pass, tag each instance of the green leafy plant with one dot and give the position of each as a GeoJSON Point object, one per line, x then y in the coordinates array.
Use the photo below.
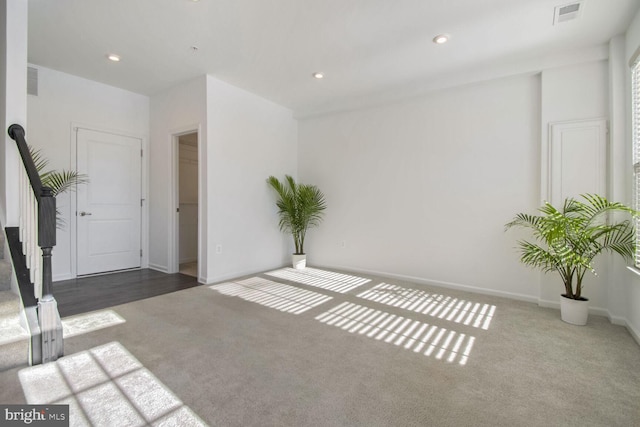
{"type": "Point", "coordinates": [300, 207]}
{"type": "Point", "coordinates": [59, 181]}
{"type": "Point", "coordinates": [569, 239]}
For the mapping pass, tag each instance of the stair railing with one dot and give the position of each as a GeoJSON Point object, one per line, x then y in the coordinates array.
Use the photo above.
{"type": "Point", "coordinates": [37, 233]}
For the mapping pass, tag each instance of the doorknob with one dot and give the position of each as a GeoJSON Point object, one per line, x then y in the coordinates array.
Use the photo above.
{"type": "Point", "coordinates": [85, 213]}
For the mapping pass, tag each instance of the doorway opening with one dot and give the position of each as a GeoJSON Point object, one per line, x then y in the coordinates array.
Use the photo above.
{"type": "Point", "coordinates": [187, 209]}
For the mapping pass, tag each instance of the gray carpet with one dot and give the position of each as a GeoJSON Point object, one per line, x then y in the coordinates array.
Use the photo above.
{"type": "Point", "coordinates": [5, 266]}
{"type": "Point", "coordinates": [274, 351]}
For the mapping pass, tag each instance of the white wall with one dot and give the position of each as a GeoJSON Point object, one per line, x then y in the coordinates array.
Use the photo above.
{"type": "Point", "coordinates": [242, 140]}
{"type": "Point", "coordinates": [180, 109]}
{"type": "Point", "coordinates": [64, 100]}
{"type": "Point", "coordinates": [13, 109]}
{"type": "Point", "coordinates": [619, 168]}
{"type": "Point", "coordinates": [249, 138]}
{"type": "Point", "coordinates": [423, 188]}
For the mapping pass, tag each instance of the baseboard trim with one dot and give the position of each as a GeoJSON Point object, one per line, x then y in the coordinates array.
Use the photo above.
{"type": "Point", "coordinates": [621, 321]}
{"type": "Point", "coordinates": [160, 268]}
{"type": "Point", "coordinates": [598, 311]}
{"type": "Point", "coordinates": [236, 275]}
{"type": "Point", "coordinates": [634, 333]}
{"type": "Point", "coordinates": [61, 277]}
{"type": "Point", "coordinates": [438, 283]}
{"type": "Point", "coordinates": [616, 320]}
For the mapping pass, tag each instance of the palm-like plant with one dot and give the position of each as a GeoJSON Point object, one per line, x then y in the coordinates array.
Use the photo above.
{"type": "Point", "coordinates": [572, 237]}
{"type": "Point", "coordinates": [58, 181]}
{"type": "Point", "coordinates": [300, 207]}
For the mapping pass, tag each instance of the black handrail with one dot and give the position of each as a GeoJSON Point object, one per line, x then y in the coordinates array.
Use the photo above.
{"type": "Point", "coordinates": [46, 208]}
{"type": "Point", "coordinates": [16, 132]}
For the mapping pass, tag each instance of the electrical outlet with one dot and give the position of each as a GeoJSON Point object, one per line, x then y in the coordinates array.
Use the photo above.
{"type": "Point", "coordinates": [218, 249]}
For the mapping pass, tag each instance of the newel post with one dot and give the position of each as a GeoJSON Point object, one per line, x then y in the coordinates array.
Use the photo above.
{"type": "Point", "coordinates": [50, 325]}
{"type": "Point", "coordinates": [47, 238]}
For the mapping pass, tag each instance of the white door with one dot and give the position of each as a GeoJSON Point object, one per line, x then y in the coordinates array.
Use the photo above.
{"type": "Point", "coordinates": [108, 207]}
{"type": "Point", "coordinates": [578, 159]}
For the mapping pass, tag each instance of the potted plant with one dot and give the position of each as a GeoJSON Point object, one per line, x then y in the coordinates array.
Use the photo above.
{"type": "Point", "coordinates": [300, 207]}
{"type": "Point", "coordinates": [569, 239]}
{"type": "Point", "coordinates": [58, 181]}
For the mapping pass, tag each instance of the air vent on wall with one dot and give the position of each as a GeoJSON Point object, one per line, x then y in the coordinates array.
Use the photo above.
{"type": "Point", "coordinates": [567, 12]}
{"type": "Point", "coordinates": [32, 81]}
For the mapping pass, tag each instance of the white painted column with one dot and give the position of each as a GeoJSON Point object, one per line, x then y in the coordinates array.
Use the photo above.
{"type": "Point", "coordinates": [620, 170]}
{"type": "Point", "coordinates": [13, 93]}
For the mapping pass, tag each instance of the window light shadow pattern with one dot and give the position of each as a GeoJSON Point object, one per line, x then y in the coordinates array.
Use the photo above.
{"type": "Point", "coordinates": [105, 386]}
{"type": "Point", "coordinates": [275, 295]}
{"type": "Point", "coordinates": [455, 310]}
{"type": "Point", "coordinates": [409, 334]}
{"type": "Point", "coordinates": [88, 322]}
{"type": "Point", "coordinates": [11, 331]}
{"type": "Point", "coordinates": [329, 280]}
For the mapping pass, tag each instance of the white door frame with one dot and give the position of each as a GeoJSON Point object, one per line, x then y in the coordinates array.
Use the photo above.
{"type": "Point", "coordinates": [174, 202]}
{"type": "Point", "coordinates": [546, 175]}
{"type": "Point", "coordinates": [144, 190]}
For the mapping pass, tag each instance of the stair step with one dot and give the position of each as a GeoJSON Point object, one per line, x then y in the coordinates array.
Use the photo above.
{"type": "Point", "coordinates": [5, 275]}
{"type": "Point", "coordinates": [14, 340]}
{"type": "Point", "coordinates": [10, 328]}
{"type": "Point", "coordinates": [14, 355]}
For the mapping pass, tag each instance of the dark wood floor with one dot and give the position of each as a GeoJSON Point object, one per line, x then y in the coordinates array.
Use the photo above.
{"type": "Point", "coordinates": [94, 293]}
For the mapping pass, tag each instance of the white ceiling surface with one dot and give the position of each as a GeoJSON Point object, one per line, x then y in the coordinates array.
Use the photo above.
{"type": "Point", "coordinates": [369, 50]}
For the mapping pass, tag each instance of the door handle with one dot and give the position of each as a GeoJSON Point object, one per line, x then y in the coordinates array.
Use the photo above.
{"type": "Point", "coordinates": [85, 213]}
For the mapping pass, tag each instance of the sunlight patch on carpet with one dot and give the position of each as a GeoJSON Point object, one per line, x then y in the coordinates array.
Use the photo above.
{"type": "Point", "coordinates": [11, 331]}
{"type": "Point", "coordinates": [10, 328]}
{"type": "Point", "coordinates": [88, 322]}
{"type": "Point", "coordinates": [329, 280]}
{"type": "Point", "coordinates": [105, 386]}
{"type": "Point", "coordinates": [409, 334]}
{"type": "Point", "coordinates": [270, 294]}
{"type": "Point", "coordinates": [455, 310]}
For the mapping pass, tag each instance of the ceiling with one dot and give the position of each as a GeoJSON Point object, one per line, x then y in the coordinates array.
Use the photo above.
{"type": "Point", "coordinates": [369, 50]}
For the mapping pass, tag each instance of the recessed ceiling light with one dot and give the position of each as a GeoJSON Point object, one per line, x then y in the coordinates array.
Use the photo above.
{"type": "Point", "coordinates": [113, 57]}
{"type": "Point", "coordinates": [441, 38]}
{"type": "Point", "coordinates": [318, 75]}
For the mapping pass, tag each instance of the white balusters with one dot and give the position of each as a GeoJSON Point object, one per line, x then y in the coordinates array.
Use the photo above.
{"type": "Point", "coordinates": [23, 184]}
{"type": "Point", "coordinates": [29, 232]}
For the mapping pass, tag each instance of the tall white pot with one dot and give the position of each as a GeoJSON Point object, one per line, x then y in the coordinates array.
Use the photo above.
{"type": "Point", "coordinates": [574, 311]}
{"type": "Point", "coordinates": [299, 261]}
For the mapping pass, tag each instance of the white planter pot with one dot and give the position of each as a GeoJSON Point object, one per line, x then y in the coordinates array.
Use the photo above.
{"type": "Point", "coordinates": [299, 261]}
{"type": "Point", "coordinates": [574, 311]}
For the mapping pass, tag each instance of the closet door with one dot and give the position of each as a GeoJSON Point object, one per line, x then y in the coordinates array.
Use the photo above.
{"type": "Point", "coordinates": [577, 159]}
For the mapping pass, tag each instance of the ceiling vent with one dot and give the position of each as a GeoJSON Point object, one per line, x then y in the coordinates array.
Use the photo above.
{"type": "Point", "coordinates": [568, 12]}
{"type": "Point", "coordinates": [32, 81]}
